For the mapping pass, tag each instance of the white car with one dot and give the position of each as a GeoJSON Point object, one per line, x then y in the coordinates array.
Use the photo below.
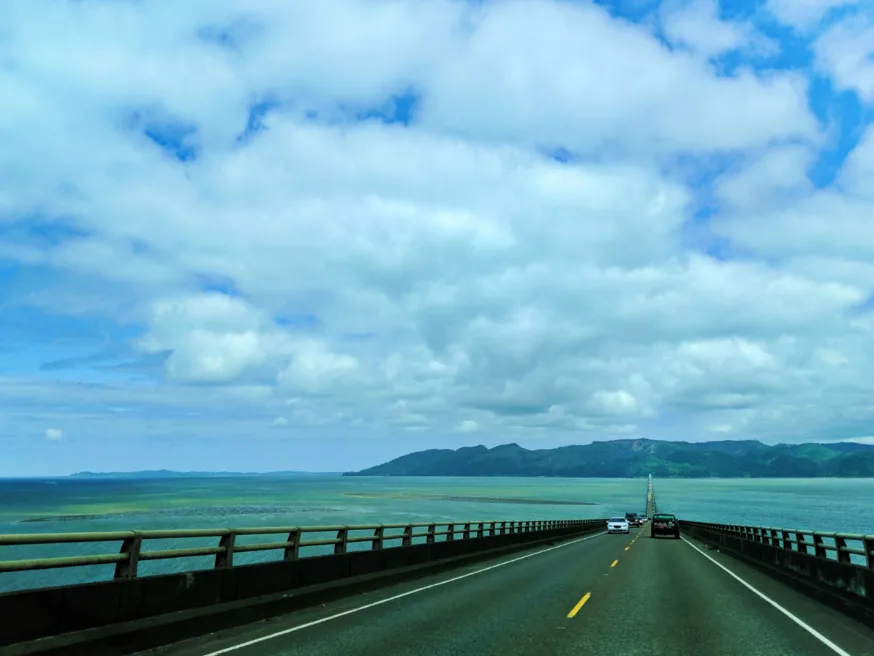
{"type": "Point", "coordinates": [617, 525]}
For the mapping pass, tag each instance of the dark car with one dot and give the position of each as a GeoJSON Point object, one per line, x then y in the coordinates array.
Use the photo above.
{"type": "Point", "coordinates": [663, 524]}
{"type": "Point", "coordinates": [633, 519]}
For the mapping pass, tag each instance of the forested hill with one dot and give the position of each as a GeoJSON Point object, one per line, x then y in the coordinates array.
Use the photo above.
{"type": "Point", "coordinates": [639, 457]}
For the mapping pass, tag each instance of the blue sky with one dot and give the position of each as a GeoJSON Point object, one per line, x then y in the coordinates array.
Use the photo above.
{"type": "Point", "coordinates": [247, 236]}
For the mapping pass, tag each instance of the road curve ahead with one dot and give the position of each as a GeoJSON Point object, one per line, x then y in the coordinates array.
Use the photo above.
{"type": "Point", "coordinates": [605, 594]}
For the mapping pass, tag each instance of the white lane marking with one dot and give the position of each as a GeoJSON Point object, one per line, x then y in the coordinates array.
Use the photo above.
{"type": "Point", "coordinates": [816, 634]}
{"type": "Point", "coordinates": [395, 597]}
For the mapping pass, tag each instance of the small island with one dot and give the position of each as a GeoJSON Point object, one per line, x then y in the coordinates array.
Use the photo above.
{"type": "Point", "coordinates": [631, 458]}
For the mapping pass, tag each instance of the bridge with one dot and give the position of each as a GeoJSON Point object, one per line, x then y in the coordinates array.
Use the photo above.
{"type": "Point", "coordinates": [472, 587]}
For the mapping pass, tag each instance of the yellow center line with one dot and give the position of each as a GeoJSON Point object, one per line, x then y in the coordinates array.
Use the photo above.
{"type": "Point", "coordinates": [580, 604]}
{"type": "Point", "coordinates": [614, 563]}
{"type": "Point", "coordinates": [627, 548]}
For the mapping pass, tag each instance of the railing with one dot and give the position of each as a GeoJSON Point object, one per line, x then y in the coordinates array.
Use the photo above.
{"type": "Point", "coordinates": [841, 547]}
{"type": "Point", "coordinates": [126, 560]}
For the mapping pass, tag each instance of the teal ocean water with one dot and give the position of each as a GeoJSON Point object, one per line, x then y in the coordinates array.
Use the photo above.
{"type": "Point", "coordinates": [68, 505]}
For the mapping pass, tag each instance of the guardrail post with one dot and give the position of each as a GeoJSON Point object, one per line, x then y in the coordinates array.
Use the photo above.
{"type": "Point", "coordinates": [492, 529]}
{"type": "Point", "coordinates": [818, 546]}
{"type": "Point", "coordinates": [868, 546]}
{"type": "Point", "coordinates": [787, 539]}
{"type": "Point", "coordinates": [841, 550]}
{"type": "Point", "coordinates": [127, 569]}
{"type": "Point", "coordinates": [225, 559]}
{"type": "Point", "coordinates": [800, 542]}
{"type": "Point", "coordinates": [503, 528]}
{"type": "Point", "coordinates": [480, 530]}
{"type": "Point", "coordinates": [378, 536]}
{"type": "Point", "coordinates": [450, 532]}
{"type": "Point", "coordinates": [466, 534]}
{"type": "Point", "coordinates": [407, 540]}
{"type": "Point", "coordinates": [292, 551]}
{"type": "Point", "coordinates": [343, 536]}
{"type": "Point", "coordinates": [432, 529]}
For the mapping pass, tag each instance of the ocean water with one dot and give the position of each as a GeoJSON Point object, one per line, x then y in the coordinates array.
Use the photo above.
{"type": "Point", "coordinates": [72, 505]}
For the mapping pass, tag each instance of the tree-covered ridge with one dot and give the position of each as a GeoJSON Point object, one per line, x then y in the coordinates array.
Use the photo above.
{"type": "Point", "coordinates": [639, 457]}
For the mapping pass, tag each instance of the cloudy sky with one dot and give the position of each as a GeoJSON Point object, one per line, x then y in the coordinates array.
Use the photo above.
{"type": "Point", "coordinates": [260, 235]}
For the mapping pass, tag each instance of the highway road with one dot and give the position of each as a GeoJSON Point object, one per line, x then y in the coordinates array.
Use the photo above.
{"type": "Point", "coordinates": [605, 594]}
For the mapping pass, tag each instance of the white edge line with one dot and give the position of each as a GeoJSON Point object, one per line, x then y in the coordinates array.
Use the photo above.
{"type": "Point", "coordinates": [395, 597]}
{"type": "Point", "coordinates": [804, 625]}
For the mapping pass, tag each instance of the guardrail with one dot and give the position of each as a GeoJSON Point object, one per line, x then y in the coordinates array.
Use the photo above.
{"type": "Point", "coordinates": [840, 547]}
{"type": "Point", "coordinates": [202, 595]}
{"type": "Point", "coordinates": [127, 559]}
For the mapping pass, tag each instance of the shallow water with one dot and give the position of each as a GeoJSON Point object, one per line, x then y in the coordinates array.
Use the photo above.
{"type": "Point", "coordinates": [68, 505]}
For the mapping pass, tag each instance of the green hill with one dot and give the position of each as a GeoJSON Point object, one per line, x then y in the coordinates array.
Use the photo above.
{"type": "Point", "coordinates": [639, 457]}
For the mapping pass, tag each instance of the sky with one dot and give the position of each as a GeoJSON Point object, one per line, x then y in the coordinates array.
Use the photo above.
{"type": "Point", "coordinates": [259, 235]}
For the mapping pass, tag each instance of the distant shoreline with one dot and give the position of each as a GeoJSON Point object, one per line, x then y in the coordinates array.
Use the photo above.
{"type": "Point", "coordinates": [166, 473]}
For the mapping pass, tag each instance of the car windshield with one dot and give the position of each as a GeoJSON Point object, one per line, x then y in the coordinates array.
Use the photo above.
{"type": "Point", "coordinates": [618, 519]}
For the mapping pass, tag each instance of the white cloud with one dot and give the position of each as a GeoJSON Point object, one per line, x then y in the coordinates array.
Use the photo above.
{"type": "Point", "coordinates": [858, 170]}
{"type": "Point", "coordinates": [555, 73]}
{"type": "Point", "coordinates": [316, 370]}
{"type": "Point", "coordinates": [210, 338]}
{"type": "Point", "coordinates": [467, 426]}
{"type": "Point", "coordinates": [696, 25]}
{"type": "Point", "coordinates": [461, 280]}
{"type": "Point", "coordinates": [804, 14]}
{"type": "Point", "coordinates": [846, 53]}
{"type": "Point", "coordinates": [772, 177]}
{"type": "Point", "coordinates": [54, 434]}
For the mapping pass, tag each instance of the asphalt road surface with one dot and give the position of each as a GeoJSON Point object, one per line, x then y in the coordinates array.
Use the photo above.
{"type": "Point", "coordinates": [621, 595]}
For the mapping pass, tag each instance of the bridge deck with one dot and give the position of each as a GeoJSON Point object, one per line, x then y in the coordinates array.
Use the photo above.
{"type": "Point", "coordinates": [645, 596]}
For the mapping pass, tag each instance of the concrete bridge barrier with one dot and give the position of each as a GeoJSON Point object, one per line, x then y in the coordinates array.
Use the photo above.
{"type": "Point", "coordinates": [363, 555]}
{"type": "Point", "coordinates": [836, 568]}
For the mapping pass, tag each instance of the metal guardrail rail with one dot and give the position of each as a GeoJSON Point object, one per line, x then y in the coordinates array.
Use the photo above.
{"type": "Point", "coordinates": [831, 546]}
{"type": "Point", "coordinates": [126, 560]}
